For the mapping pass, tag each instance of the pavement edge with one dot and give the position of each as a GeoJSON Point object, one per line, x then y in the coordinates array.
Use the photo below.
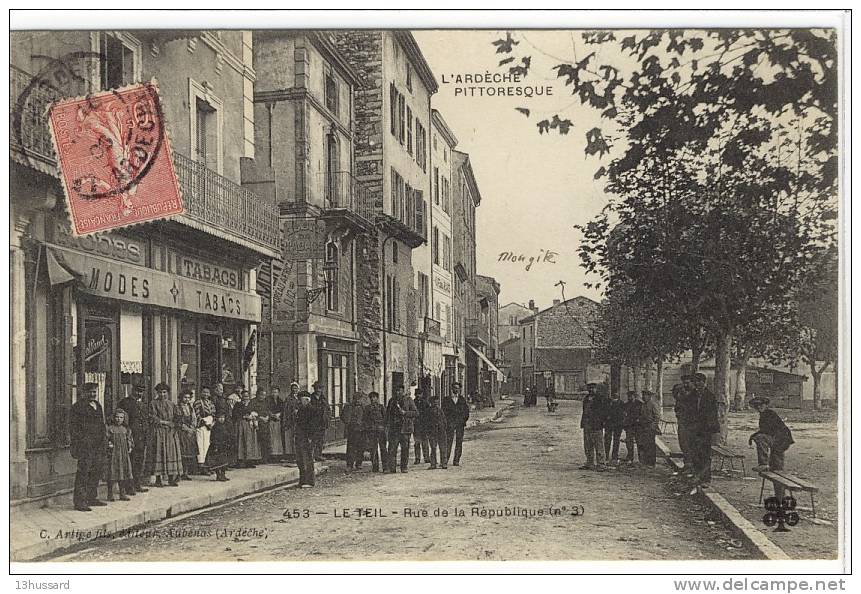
{"type": "Point", "coordinates": [737, 522]}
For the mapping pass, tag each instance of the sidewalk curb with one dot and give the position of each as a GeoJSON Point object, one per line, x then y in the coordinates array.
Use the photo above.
{"type": "Point", "coordinates": [192, 502]}
{"type": "Point", "coordinates": [738, 523]}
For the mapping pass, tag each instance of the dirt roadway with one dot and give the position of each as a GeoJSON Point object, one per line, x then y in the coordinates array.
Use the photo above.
{"type": "Point", "coordinates": [528, 461]}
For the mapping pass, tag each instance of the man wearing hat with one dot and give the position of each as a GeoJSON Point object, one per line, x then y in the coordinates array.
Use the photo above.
{"type": "Point", "coordinates": [704, 424]}
{"type": "Point", "coordinates": [592, 423]}
{"type": "Point", "coordinates": [89, 446]}
{"type": "Point", "coordinates": [772, 440]}
{"type": "Point", "coordinates": [683, 396]}
{"type": "Point", "coordinates": [324, 414]}
{"type": "Point", "coordinates": [456, 412]}
{"type": "Point", "coordinates": [137, 420]}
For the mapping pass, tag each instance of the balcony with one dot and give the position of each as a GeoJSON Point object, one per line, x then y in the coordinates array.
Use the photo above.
{"type": "Point", "coordinates": [29, 135]}
{"type": "Point", "coordinates": [213, 203]}
{"type": "Point", "coordinates": [346, 199]}
{"type": "Point", "coordinates": [225, 208]}
{"type": "Point", "coordinates": [409, 225]}
{"type": "Point", "coordinates": [476, 332]}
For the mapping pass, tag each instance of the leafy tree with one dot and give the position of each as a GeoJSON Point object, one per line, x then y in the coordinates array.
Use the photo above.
{"type": "Point", "coordinates": [721, 174]}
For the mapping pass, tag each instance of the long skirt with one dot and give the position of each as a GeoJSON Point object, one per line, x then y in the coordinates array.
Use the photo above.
{"type": "Point", "coordinates": [163, 457]}
{"type": "Point", "coordinates": [247, 447]}
{"type": "Point", "coordinates": [289, 440]}
{"type": "Point", "coordinates": [202, 435]}
{"type": "Point", "coordinates": [276, 446]}
{"type": "Point", "coordinates": [188, 448]}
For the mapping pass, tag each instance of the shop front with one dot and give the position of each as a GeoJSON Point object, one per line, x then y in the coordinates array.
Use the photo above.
{"type": "Point", "coordinates": [98, 311]}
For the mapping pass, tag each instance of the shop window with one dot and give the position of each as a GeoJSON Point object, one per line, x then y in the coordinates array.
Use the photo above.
{"type": "Point", "coordinates": [188, 354]}
{"type": "Point", "coordinates": [131, 351]}
{"type": "Point", "coordinates": [230, 351]}
{"type": "Point", "coordinates": [210, 352]}
{"type": "Point", "coordinates": [332, 271]}
{"type": "Point", "coordinates": [337, 374]}
{"type": "Point", "coordinates": [97, 357]}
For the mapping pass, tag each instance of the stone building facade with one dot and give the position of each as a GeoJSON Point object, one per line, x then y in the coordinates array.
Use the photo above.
{"type": "Point", "coordinates": [118, 308]}
{"type": "Point", "coordinates": [560, 350]}
{"type": "Point", "coordinates": [303, 106]}
{"type": "Point", "coordinates": [393, 121]}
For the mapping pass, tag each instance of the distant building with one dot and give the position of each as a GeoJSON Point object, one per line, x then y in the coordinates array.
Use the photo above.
{"type": "Point", "coordinates": [483, 376]}
{"type": "Point", "coordinates": [559, 348]}
{"type": "Point", "coordinates": [509, 364]}
{"type": "Point", "coordinates": [509, 320]}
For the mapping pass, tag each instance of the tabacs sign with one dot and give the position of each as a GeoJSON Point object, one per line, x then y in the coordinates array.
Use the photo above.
{"type": "Point", "coordinates": [304, 239]}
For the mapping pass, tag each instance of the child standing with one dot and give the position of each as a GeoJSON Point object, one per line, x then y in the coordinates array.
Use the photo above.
{"type": "Point", "coordinates": [220, 446]}
{"type": "Point", "coordinates": [119, 468]}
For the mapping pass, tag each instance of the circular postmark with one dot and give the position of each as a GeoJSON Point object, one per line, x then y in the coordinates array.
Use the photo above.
{"type": "Point", "coordinates": [110, 139]}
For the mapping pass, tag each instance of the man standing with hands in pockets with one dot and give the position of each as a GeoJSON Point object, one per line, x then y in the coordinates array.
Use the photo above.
{"type": "Point", "coordinates": [456, 415]}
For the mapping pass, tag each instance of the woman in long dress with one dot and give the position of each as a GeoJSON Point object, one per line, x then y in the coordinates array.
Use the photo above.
{"type": "Point", "coordinates": [163, 456]}
{"type": "Point", "coordinates": [245, 420]}
{"type": "Point", "coordinates": [276, 438]}
{"type": "Point", "coordinates": [187, 431]}
{"type": "Point", "coordinates": [204, 408]}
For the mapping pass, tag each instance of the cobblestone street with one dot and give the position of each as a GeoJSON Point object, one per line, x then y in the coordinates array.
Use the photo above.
{"type": "Point", "coordinates": [526, 462]}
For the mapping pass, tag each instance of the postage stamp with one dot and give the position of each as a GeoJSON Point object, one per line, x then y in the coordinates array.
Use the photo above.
{"type": "Point", "coordinates": [114, 159]}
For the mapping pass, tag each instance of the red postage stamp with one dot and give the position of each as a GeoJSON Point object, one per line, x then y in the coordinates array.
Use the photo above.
{"type": "Point", "coordinates": [114, 159]}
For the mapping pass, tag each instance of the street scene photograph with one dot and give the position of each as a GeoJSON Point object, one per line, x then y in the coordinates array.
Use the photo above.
{"type": "Point", "coordinates": [376, 294]}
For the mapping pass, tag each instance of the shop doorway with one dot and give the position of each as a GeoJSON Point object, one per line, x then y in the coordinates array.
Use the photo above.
{"type": "Point", "coordinates": [98, 353]}
{"type": "Point", "coordinates": [210, 364]}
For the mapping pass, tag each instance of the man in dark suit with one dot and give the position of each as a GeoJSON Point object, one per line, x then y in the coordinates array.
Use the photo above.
{"type": "Point", "coordinates": [137, 420]}
{"type": "Point", "coordinates": [401, 415]}
{"type": "Point", "coordinates": [592, 423]}
{"type": "Point", "coordinates": [89, 443]}
{"type": "Point", "coordinates": [456, 412]}
{"type": "Point", "coordinates": [320, 403]}
{"type": "Point", "coordinates": [705, 424]}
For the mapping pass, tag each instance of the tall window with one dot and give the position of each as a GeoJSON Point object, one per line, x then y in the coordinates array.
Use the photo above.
{"type": "Point", "coordinates": [205, 143]}
{"type": "Point", "coordinates": [421, 218]}
{"type": "Point", "coordinates": [424, 295]}
{"type": "Point", "coordinates": [446, 252]}
{"type": "Point", "coordinates": [332, 273]}
{"type": "Point", "coordinates": [332, 194]}
{"type": "Point", "coordinates": [409, 131]}
{"type": "Point", "coordinates": [435, 245]}
{"type": "Point", "coordinates": [410, 78]}
{"type": "Point", "coordinates": [393, 109]}
{"type": "Point", "coordinates": [421, 145]}
{"type": "Point", "coordinates": [402, 114]}
{"type": "Point", "coordinates": [116, 62]}
{"type": "Point", "coordinates": [436, 185]}
{"type": "Point", "coordinates": [332, 92]}
{"type": "Point", "coordinates": [448, 321]}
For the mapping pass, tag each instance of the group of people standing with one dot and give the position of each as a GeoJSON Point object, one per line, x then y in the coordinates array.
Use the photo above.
{"type": "Point", "coordinates": [436, 429]}
{"type": "Point", "coordinates": [605, 419]}
{"type": "Point", "coordinates": [201, 435]}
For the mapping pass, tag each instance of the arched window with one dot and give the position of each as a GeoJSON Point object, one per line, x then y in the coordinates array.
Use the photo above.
{"type": "Point", "coordinates": [331, 270]}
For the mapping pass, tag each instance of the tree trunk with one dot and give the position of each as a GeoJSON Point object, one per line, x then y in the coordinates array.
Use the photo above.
{"type": "Point", "coordinates": [648, 376]}
{"type": "Point", "coordinates": [637, 378]}
{"type": "Point", "coordinates": [740, 402]}
{"type": "Point", "coordinates": [696, 353]}
{"type": "Point", "coordinates": [660, 386]}
{"type": "Point", "coordinates": [723, 347]}
{"type": "Point", "coordinates": [817, 395]}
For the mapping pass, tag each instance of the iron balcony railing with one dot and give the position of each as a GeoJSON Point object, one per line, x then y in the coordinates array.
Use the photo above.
{"type": "Point", "coordinates": [342, 191]}
{"type": "Point", "coordinates": [225, 205]}
{"type": "Point", "coordinates": [476, 331]}
{"type": "Point", "coordinates": [208, 197]}
{"type": "Point", "coordinates": [28, 106]}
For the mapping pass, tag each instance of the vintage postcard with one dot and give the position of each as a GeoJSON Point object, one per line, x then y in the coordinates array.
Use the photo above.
{"type": "Point", "coordinates": [286, 293]}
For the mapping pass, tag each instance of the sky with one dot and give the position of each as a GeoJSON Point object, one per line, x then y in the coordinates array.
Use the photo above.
{"type": "Point", "coordinates": [535, 188]}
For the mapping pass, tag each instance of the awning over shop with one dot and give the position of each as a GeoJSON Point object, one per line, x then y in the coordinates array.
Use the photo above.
{"type": "Point", "coordinates": [499, 375]}
{"type": "Point", "coordinates": [57, 273]}
{"type": "Point", "coordinates": [433, 362]}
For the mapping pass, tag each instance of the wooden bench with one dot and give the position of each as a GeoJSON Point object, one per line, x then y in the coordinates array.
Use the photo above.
{"type": "Point", "coordinates": [790, 482]}
{"type": "Point", "coordinates": [725, 454]}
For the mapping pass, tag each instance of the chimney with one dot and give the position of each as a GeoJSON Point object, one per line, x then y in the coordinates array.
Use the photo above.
{"type": "Point", "coordinates": [532, 305]}
{"type": "Point", "coordinates": [556, 302]}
